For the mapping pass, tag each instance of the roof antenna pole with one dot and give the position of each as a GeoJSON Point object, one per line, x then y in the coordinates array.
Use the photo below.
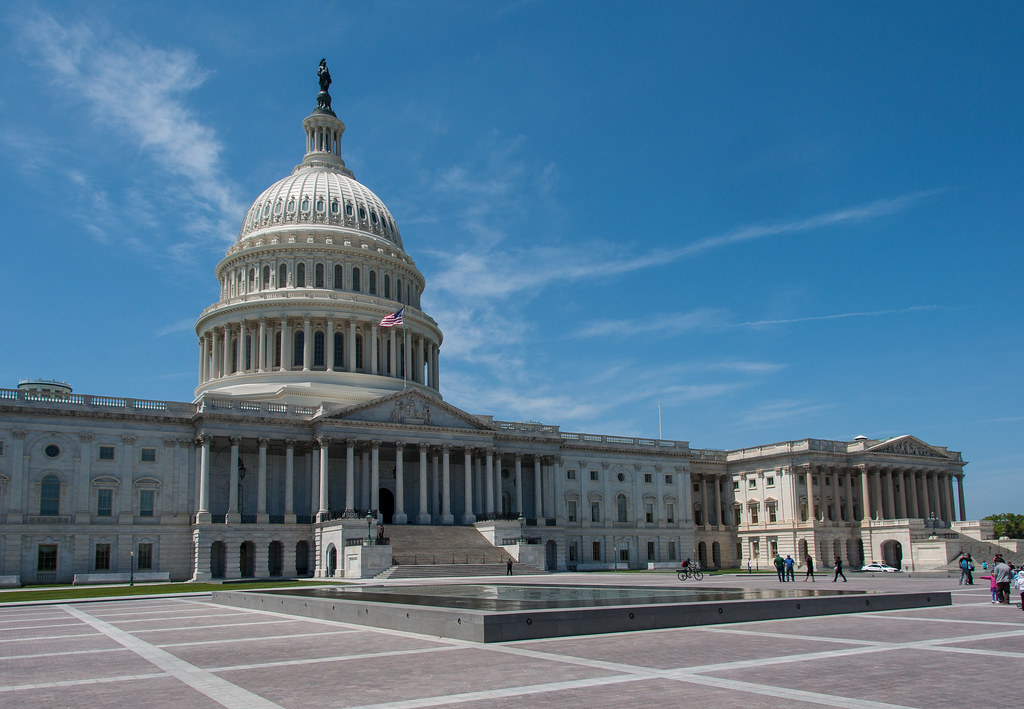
{"type": "Point", "coordinates": [659, 421]}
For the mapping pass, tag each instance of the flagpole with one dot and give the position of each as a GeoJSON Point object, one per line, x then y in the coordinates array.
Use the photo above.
{"type": "Point", "coordinates": [405, 357]}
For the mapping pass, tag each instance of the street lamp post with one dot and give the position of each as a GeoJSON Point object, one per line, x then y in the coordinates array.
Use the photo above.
{"type": "Point", "coordinates": [369, 521]}
{"type": "Point", "coordinates": [131, 568]}
{"type": "Point", "coordinates": [522, 535]}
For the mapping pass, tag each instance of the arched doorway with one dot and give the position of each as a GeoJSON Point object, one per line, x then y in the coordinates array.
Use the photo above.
{"type": "Point", "coordinates": [332, 560]}
{"type": "Point", "coordinates": [892, 553]}
{"type": "Point", "coordinates": [716, 555]}
{"type": "Point", "coordinates": [218, 557]}
{"type": "Point", "coordinates": [302, 558]}
{"type": "Point", "coordinates": [801, 550]}
{"type": "Point", "coordinates": [247, 559]}
{"type": "Point", "coordinates": [275, 559]}
{"type": "Point", "coordinates": [702, 555]}
{"type": "Point", "coordinates": [387, 505]}
{"type": "Point", "coordinates": [550, 555]}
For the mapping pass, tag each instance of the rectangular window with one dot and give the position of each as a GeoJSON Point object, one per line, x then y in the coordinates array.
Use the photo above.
{"type": "Point", "coordinates": [570, 510]}
{"type": "Point", "coordinates": [145, 556]}
{"type": "Point", "coordinates": [670, 513]}
{"type": "Point", "coordinates": [650, 551]}
{"type": "Point", "coordinates": [769, 481]}
{"type": "Point", "coordinates": [595, 511]}
{"type": "Point", "coordinates": [574, 552]}
{"type": "Point", "coordinates": [649, 512]}
{"type": "Point", "coordinates": [102, 557]}
{"type": "Point", "coordinates": [570, 473]}
{"type": "Point", "coordinates": [106, 452]}
{"type": "Point", "coordinates": [735, 485]}
{"type": "Point", "coordinates": [1, 448]}
{"type": "Point", "coordinates": [772, 515]}
{"type": "Point", "coordinates": [753, 515]}
{"type": "Point", "coordinates": [773, 547]}
{"type": "Point", "coordinates": [47, 558]}
{"type": "Point", "coordinates": [752, 484]}
{"type": "Point", "coordinates": [624, 554]}
{"type": "Point", "coordinates": [696, 487]}
{"type": "Point", "coordinates": [104, 502]}
{"type": "Point", "coordinates": [672, 556]}
{"type": "Point", "coordinates": [736, 516]}
{"type": "Point", "coordinates": [595, 550]}
{"type": "Point", "coordinates": [828, 480]}
{"type": "Point", "coordinates": [668, 479]}
{"type": "Point", "coordinates": [594, 475]}
{"type": "Point", "coordinates": [148, 455]}
{"type": "Point", "coordinates": [146, 498]}
{"type": "Point", "coordinates": [648, 478]}
{"type": "Point", "coordinates": [755, 548]}
{"type": "Point", "coordinates": [739, 550]}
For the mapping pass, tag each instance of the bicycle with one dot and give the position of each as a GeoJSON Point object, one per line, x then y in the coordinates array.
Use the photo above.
{"type": "Point", "coordinates": [689, 572]}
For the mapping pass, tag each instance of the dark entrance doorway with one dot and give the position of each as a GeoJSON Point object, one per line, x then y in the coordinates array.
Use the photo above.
{"type": "Point", "coordinates": [387, 505]}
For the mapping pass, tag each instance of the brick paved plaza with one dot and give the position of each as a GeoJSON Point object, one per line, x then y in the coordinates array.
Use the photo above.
{"type": "Point", "coordinates": [188, 652]}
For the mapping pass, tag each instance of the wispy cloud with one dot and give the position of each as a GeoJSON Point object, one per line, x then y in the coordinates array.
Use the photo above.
{"type": "Point", "coordinates": [837, 316]}
{"type": "Point", "coordinates": [180, 326]}
{"type": "Point", "coordinates": [773, 412]}
{"type": "Point", "coordinates": [139, 92]}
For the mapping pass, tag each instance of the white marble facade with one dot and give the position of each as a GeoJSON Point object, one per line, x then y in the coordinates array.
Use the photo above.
{"type": "Point", "coordinates": [308, 413]}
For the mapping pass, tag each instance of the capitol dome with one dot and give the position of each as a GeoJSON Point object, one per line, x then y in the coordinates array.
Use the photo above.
{"type": "Point", "coordinates": [311, 292]}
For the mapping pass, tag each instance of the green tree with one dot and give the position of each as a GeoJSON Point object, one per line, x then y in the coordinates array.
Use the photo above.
{"type": "Point", "coordinates": [1008, 524]}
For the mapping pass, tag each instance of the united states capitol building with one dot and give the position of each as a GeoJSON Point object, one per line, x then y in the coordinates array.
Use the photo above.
{"type": "Point", "coordinates": [313, 422]}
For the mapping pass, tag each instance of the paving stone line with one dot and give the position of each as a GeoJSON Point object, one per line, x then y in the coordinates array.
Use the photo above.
{"type": "Point", "coordinates": [76, 682]}
{"type": "Point", "coordinates": [62, 654]}
{"type": "Point", "coordinates": [221, 641]}
{"type": "Point", "coordinates": [333, 658]}
{"type": "Point", "coordinates": [216, 688]}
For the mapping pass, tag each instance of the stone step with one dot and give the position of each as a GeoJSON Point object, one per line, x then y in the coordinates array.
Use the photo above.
{"type": "Point", "coordinates": [411, 571]}
{"type": "Point", "coordinates": [436, 544]}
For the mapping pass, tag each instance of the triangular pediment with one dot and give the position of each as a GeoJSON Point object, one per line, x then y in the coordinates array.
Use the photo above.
{"type": "Point", "coordinates": [408, 408]}
{"type": "Point", "coordinates": [908, 445]}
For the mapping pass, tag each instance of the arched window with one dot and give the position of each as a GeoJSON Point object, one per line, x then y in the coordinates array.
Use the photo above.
{"type": "Point", "coordinates": [282, 276]}
{"type": "Point", "coordinates": [339, 349]}
{"type": "Point", "coordinates": [234, 356]}
{"type": "Point", "coordinates": [300, 276]}
{"type": "Point", "coordinates": [339, 277]}
{"type": "Point", "coordinates": [373, 283]}
{"type": "Point", "coordinates": [277, 349]}
{"type": "Point", "coordinates": [49, 496]}
{"type": "Point", "coordinates": [266, 278]}
{"type": "Point", "coordinates": [318, 276]}
{"type": "Point", "coordinates": [318, 349]}
{"type": "Point", "coordinates": [359, 351]}
{"type": "Point", "coordinates": [620, 507]}
{"type": "Point", "coordinates": [247, 365]}
{"type": "Point", "coordinates": [300, 346]}
{"type": "Point", "coordinates": [398, 289]}
{"type": "Point", "coordinates": [355, 280]}
{"type": "Point", "coordinates": [387, 286]}
{"type": "Point", "coordinates": [252, 280]}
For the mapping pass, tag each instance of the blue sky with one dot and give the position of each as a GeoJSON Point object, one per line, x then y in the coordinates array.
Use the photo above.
{"type": "Point", "coordinates": [777, 221]}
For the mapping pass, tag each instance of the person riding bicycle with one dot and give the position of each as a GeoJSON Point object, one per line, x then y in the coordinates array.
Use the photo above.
{"type": "Point", "coordinates": [686, 563]}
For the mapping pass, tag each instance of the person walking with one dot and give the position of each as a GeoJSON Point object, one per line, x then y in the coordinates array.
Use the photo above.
{"type": "Point", "coordinates": [750, 569]}
{"type": "Point", "coordinates": [790, 563]}
{"type": "Point", "coordinates": [780, 567]}
{"type": "Point", "coordinates": [1001, 578]}
{"type": "Point", "coordinates": [1018, 584]}
{"type": "Point", "coordinates": [508, 567]}
{"type": "Point", "coordinates": [810, 568]}
{"type": "Point", "coordinates": [966, 567]}
{"type": "Point", "coordinates": [839, 571]}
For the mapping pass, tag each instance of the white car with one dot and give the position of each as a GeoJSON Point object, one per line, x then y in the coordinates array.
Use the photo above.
{"type": "Point", "coordinates": [875, 566]}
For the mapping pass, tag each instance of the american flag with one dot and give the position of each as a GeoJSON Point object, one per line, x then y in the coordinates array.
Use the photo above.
{"type": "Point", "coordinates": [394, 319]}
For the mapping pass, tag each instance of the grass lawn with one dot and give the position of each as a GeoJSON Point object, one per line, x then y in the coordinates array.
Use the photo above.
{"type": "Point", "coordinates": [58, 593]}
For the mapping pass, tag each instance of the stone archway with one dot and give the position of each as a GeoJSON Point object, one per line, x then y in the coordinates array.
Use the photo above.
{"type": "Point", "coordinates": [332, 560]}
{"type": "Point", "coordinates": [702, 555]}
{"type": "Point", "coordinates": [218, 560]}
{"type": "Point", "coordinates": [247, 560]}
{"type": "Point", "coordinates": [892, 553]}
{"type": "Point", "coordinates": [550, 555]}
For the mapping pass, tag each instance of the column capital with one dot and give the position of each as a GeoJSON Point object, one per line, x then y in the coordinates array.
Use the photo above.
{"type": "Point", "coordinates": [203, 439]}
{"type": "Point", "coordinates": [375, 445]}
{"type": "Point", "coordinates": [128, 440]}
{"type": "Point", "coordinates": [519, 455]}
{"type": "Point", "coordinates": [235, 440]}
{"type": "Point", "coordinates": [424, 447]}
{"type": "Point", "coordinates": [323, 441]}
{"type": "Point", "coordinates": [400, 445]}
{"type": "Point", "coordinates": [19, 434]}
{"type": "Point", "coordinates": [263, 442]}
{"type": "Point", "coordinates": [351, 443]}
{"type": "Point", "coordinates": [446, 448]}
{"type": "Point", "coordinates": [289, 443]}
{"type": "Point", "coordinates": [170, 442]}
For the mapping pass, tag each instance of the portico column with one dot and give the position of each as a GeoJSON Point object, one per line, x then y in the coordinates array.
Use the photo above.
{"type": "Point", "coordinates": [329, 361]}
{"type": "Point", "coordinates": [227, 351]}
{"type": "Point", "coordinates": [399, 516]}
{"type": "Point", "coordinates": [837, 513]}
{"type": "Point", "coordinates": [307, 343]}
{"type": "Point", "coordinates": [261, 482]}
{"type": "Point", "coordinates": [289, 481]}
{"type": "Point", "coordinates": [373, 349]}
{"type": "Point", "coordinates": [910, 488]}
{"type": "Point", "coordinates": [406, 346]}
{"type": "Point", "coordinates": [233, 517]}
{"type": "Point", "coordinates": [705, 517]}
{"type": "Point", "coordinates": [900, 491]}
{"type": "Point", "coordinates": [351, 346]}
{"type": "Point", "coordinates": [261, 346]}
{"type": "Point", "coordinates": [286, 346]}
{"type": "Point", "coordinates": [364, 475]}
{"type": "Point", "coordinates": [926, 495]}
{"type": "Point", "coordinates": [960, 497]}
{"type": "Point", "coordinates": [435, 487]}
{"type": "Point", "coordinates": [392, 368]}
{"type": "Point", "coordinates": [423, 517]}
{"type": "Point", "coordinates": [350, 475]}
{"type": "Point", "coordinates": [489, 482]}
{"type": "Point", "coordinates": [204, 479]}
{"type": "Point", "coordinates": [446, 486]}
{"type": "Point", "coordinates": [812, 509]}
{"type": "Point", "coordinates": [375, 477]}
{"type": "Point", "coordinates": [519, 483]}
{"type": "Point", "coordinates": [214, 364]}
{"type": "Point", "coordinates": [537, 496]}
{"type": "Point", "coordinates": [241, 348]}
{"type": "Point", "coordinates": [127, 489]}
{"type": "Point", "coordinates": [865, 493]}
{"type": "Point", "coordinates": [947, 496]}
{"type": "Point", "coordinates": [718, 499]}
{"type": "Point", "coordinates": [468, 517]}
{"type": "Point", "coordinates": [202, 359]}
{"type": "Point", "coordinates": [888, 506]}
{"type": "Point", "coordinates": [321, 514]}
{"type": "Point", "coordinates": [848, 487]}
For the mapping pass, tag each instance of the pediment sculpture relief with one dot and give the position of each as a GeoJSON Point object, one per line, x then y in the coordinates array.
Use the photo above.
{"type": "Point", "coordinates": [411, 411]}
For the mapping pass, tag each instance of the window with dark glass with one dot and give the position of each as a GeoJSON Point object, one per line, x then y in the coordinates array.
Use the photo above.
{"type": "Point", "coordinates": [300, 276]}
{"type": "Point", "coordinates": [339, 277]}
{"type": "Point", "coordinates": [102, 561]}
{"type": "Point", "coordinates": [282, 276]}
{"type": "Point", "coordinates": [387, 286]}
{"type": "Point", "coordinates": [373, 283]}
{"type": "Point", "coordinates": [318, 349]}
{"type": "Point", "coordinates": [595, 550]}
{"type": "Point", "coordinates": [146, 498]}
{"type": "Point", "coordinates": [145, 556]}
{"type": "Point", "coordinates": [49, 496]}
{"type": "Point", "coordinates": [51, 451]}
{"type": "Point", "coordinates": [318, 276]}
{"type": "Point", "coordinates": [620, 505]}
{"type": "Point", "coordinates": [104, 502]}
{"type": "Point", "coordinates": [339, 349]}
{"type": "Point", "coordinates": [595, 511]}
{"type": "Point", "coordinates": [46, 559]}
{"type": "Point", "coordinates": [299, 349]}
{"type": "Point", "coordinates": [359, 351]}
{"type": "Point", "coordinates": [356, 285]}
{"type": "Point", "coordinates": [266, 278]}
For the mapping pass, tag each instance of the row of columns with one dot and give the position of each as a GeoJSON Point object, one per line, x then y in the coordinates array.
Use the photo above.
{"type": "Point", "coordinates": [481, 492]}
{"type": "Point", "coordinates": [896, 493]}
{"type": "Point", "coordinates": [220, 357]}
